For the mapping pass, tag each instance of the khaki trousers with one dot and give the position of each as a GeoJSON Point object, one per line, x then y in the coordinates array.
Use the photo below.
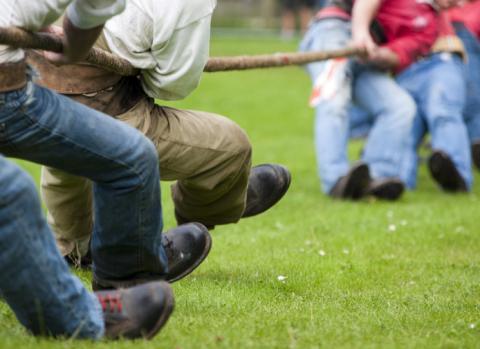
{"type": "Point", "coordinates": [208, 156]}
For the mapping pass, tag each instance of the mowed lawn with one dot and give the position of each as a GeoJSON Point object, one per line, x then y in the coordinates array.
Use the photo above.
{"type": "Point", "coordinates": [313, 272]}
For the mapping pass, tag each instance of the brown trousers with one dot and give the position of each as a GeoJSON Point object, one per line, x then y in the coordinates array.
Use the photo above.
{"type": "Point", "coordinates": [208, 156]}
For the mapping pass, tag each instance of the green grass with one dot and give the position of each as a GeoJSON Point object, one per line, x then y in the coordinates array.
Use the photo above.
{"type": "Point", "coordinates": [351, 282]}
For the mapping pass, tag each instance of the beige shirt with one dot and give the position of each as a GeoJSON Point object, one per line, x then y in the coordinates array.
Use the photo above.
{"type": "Point", "coordinates": [36, 14]}
{"type": "Point", "coordinates": [167, 39]}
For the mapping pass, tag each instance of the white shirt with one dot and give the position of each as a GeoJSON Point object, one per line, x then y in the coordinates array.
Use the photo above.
{"type": "Point", "coordinates": [36, 14]}
{"type": "Point", "coordinates": [167, 39]}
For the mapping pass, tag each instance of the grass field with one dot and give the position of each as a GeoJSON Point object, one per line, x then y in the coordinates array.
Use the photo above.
{"type": "Point", "coordinates": [357, 275]}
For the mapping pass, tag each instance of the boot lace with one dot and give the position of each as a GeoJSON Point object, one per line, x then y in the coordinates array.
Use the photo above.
{"type": "Point", "coordinates": [110, 302]}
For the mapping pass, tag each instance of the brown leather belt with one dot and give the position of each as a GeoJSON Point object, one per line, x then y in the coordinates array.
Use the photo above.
{"type": "Point", "coordinates": [13, 76]}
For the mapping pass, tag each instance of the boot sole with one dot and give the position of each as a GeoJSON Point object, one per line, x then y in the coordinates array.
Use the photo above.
{"type": "Point", "coordinates": [169, 306]}
{"type": "Point", "coordinates": [444, 172]}
{"type": "Point", "coordinates": [199, 261]}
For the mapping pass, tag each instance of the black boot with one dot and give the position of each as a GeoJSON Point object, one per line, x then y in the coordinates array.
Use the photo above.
{"type": "Point", "coordinates": [354, 184]}
{"type": "Point", "coordinates": [138, 312]}
{"type": "Point", "coordinates": [186, 247]}
{"type": "Point", "coordinates": [445, 173]}
{"type": "Point", "coordinates": [267, 184]}
{"type": "Point", "coordinates": [476, 154]}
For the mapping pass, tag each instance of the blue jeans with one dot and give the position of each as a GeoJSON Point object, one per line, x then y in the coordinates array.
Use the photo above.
{"type": "Point", "coordinates": [472, 109]}
{"type": "Point", "coordinates": [41, 126]}
{"type": "Point", "coordinates": [35, 280]}
{"type": "Point", "coordinates": [374, 91]}
{"type": "Point", "coordinates": [360, 122]}
{"type": "Point", "coordinates": [438, 85]}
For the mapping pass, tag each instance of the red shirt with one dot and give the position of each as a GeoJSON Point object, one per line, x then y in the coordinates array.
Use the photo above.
{"type": "Point", "coordinates": [445, 27]}
{"type": "Point", "coordinates": [469, 15]}
{"type": "Point", "coordinates": [409, 28]}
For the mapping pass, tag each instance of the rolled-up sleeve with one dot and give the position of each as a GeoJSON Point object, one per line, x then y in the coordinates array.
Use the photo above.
{"type": "Point", "coordinates": [179, 62]}
{"type": "Point", "coordinates": [86, 14]}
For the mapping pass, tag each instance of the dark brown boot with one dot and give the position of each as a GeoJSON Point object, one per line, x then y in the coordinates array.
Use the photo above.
{"type": "Point", "coordinates": [137, 312]}
{"type": "Point", "coordinates": [186, 247]}
{"type": "Point", "coordinates": [267, 184]}
{"type": "Point", "coordinates": [476, 154]}
{"type": "Point", "coordinates": [445, 173]}
{"type": "Point", "coordinates": [354, 184]}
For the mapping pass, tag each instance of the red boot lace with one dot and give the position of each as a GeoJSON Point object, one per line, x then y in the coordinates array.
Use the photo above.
{"type": "Point", "coordinates": [110, 302]}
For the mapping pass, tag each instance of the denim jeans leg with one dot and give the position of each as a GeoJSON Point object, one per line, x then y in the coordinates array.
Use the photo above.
{"type": "Point", "coordinates": [35, 280]}
{"type": "Point", "coordinates": [413, 80]}
{"type": "Point", "coordinates": [409, 166]}
{"type": "Point", "coordinates": [472, 115]}
{"type": "Point", "coordinates": [394, 110]}
{"type": "Point", "coordinates": [360, 122]}
{"type": "Point", "coordinates": [472, 67]}
{"type": "Point", "coordinates": [443, 103]}
{"type": "Point", "coordinates": [438, 85]}
{"type": "Point", "coordinates": [331, 119]}
{"type": "Point", "coordinates": [44, 127]}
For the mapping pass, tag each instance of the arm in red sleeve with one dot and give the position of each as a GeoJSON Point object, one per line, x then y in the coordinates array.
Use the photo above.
{"type": "Point", "coordinates": [409, 48]}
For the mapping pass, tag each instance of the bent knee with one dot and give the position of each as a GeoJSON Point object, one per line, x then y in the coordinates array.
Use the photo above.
{"type": "Point", "coordinates": [150, 153]}
{"type": "Point", "coordinates": [141, 163]}
{"type": "Point", "coordinates": [234, 140]}
{"type": "Point", "coordinates": [242, 142]}
{"type": "Point", "coordinates": [146, 154]}
{"type": "Point", "coordinates": [241, 154]}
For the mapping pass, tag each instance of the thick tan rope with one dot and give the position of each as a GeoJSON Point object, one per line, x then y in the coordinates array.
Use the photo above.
{"type": "Point", "coordinates": [20, 38]}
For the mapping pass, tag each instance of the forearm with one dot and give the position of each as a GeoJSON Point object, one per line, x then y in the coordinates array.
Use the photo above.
{"type": "Point", "coordinates": [83, 23]}
{"type": "Point", "coordinates": [410, 48]}
{"type": "Point", "coordinates": [77, 42]}
{"type": "Point", "coordinates": [364, 12]}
